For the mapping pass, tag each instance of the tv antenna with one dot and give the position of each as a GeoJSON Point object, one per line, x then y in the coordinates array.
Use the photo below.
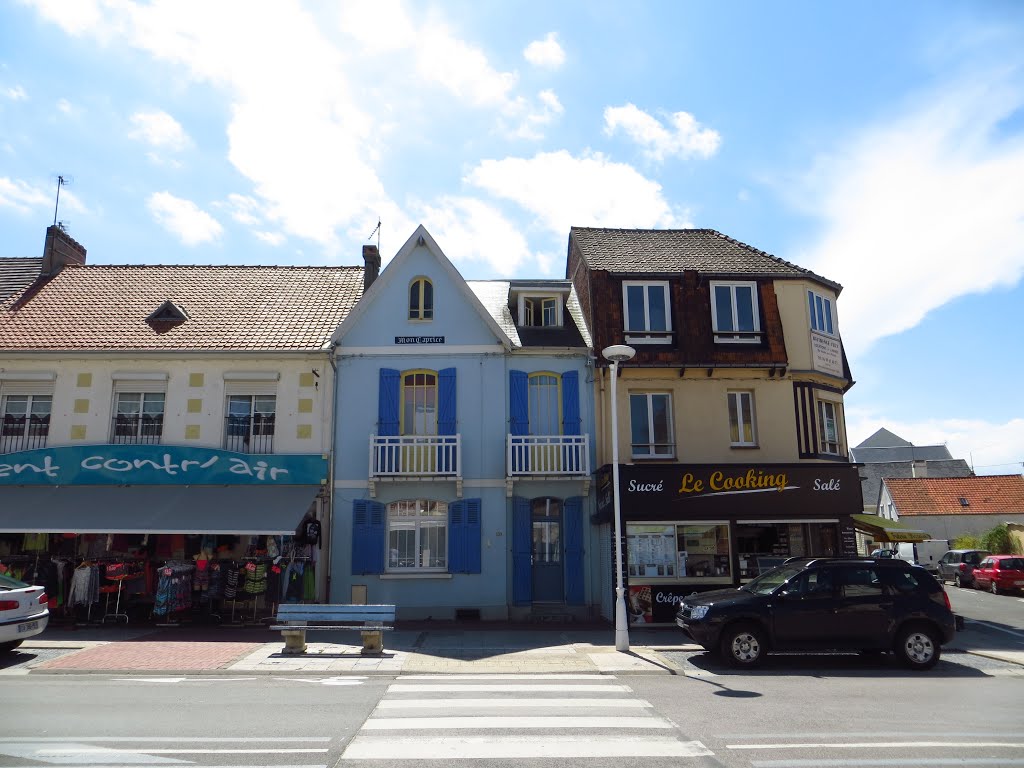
{"type": "Point", "coordinates": [61, 181]}
{"type": "Point", "coordinates": [376, 230]}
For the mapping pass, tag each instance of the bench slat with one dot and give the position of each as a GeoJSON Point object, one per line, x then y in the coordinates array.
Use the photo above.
{"type": "Point", "coordinates": [362, 627]}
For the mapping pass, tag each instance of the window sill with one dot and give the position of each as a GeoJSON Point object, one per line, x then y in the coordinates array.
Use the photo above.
{"type": "Point", "coordinates": [423, 575]}
{"type": "Point", "coordinates": [660, 339]}
{"type": "Point", "coordinates": [744, 446]}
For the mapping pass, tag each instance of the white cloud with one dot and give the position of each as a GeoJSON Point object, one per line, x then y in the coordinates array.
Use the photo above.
{"type": "Point", "coordinates": [684, 137]}
{"type": "Point", "coordinates": [159, 129]}
{"type": "Point", "coordinates": [22, 196]}
{"type": "Point", "coordinates": [561, 190]}
{"type": "Point", "coordinates": [546, 53]}
{"type": "Point", "coordinates": [244, 209]}
{"type": "Point", "coordinates": [65, 106]}
{"type": "Point", "coordinates": [183, 218]}
{"type": "Point", "coordinates": [919, 211]}
{"type": "Point", "coordinates": [470, 230]}
{"type": "Point", "coordinates": [544, 114]}
{"type": "Point", "coordinates": [16, 93]}
{"type": "Point", "coordinates": [270, 238]}
{"type": "Point", "coordinates": [991, 448]}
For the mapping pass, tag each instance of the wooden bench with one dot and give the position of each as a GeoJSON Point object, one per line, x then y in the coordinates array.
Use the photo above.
{"type": "Point", "coordinates": [295, 619]}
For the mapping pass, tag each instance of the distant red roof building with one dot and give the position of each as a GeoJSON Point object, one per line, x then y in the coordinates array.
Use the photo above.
{"type": "Point", "coordinates": [981, 495]}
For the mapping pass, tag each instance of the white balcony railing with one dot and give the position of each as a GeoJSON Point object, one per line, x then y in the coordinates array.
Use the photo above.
{"type": "Point", "coordinates": [567, 455]}
{"type": "Point", "coordinates": [394, 456]}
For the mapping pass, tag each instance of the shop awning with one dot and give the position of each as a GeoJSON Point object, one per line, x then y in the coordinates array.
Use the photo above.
{"type": "Point", "coordinates": [882, 529]}
{"type": "Point", "coordinates": [217, 509]}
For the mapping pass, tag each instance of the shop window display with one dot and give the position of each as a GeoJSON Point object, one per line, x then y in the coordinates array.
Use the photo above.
{"type": "Point", "coordinates": [763, 546]}
{"type": "Point", "coordinates": [694, 551]}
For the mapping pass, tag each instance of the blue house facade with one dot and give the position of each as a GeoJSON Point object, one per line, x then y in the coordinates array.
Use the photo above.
{"type": "Point", "coordinates": [463, 451]}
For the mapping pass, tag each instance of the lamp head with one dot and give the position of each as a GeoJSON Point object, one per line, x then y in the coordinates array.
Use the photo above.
{"type": "Point", "coordinates": [618, 353]}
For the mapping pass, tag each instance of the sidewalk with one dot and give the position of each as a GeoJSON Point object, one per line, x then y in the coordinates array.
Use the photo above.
{"type": "Point", "coordinates": [435, 648]}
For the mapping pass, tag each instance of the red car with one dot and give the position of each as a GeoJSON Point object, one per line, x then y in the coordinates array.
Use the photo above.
{"type": "Point", "coordinates": [1000, 573]}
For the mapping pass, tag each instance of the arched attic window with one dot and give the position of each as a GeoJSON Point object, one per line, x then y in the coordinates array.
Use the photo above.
{"type": "Point", "coordinates": [421, 299]}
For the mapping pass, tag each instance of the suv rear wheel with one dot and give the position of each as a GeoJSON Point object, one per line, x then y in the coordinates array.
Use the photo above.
{"type": "Point", "coordinates": [918, 647]}
{"type": "Point", "coordinates": [743, 645]}
{"type": "Point", "coordinates": [956, 580]}
{"type": "Point", "coordinates": [993, 587]}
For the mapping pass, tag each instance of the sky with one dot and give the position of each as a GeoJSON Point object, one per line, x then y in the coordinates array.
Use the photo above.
{"type": "Point", "coordinates": [878, 144]}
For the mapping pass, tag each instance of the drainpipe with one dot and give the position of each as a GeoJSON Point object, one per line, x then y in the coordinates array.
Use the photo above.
{"type": "Point", "coordinates": [330, 467]}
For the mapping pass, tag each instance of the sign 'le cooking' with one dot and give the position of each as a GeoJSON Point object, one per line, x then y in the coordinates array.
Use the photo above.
{"type": "Point", "coordinates": [674, 490]}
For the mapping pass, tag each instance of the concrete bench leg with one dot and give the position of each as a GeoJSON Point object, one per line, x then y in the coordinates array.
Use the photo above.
{"type": "Point", "coordinates": [373, 641]}
{"type": "Point", "coordinates": [294, 641]}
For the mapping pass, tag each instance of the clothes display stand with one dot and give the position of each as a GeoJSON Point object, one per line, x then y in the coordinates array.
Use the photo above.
{"type": "Point", "coordinates": [116, 572]}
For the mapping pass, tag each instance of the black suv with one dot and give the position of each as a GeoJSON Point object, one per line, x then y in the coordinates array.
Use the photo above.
{"type": "Point", "coordinates": [810, 604]}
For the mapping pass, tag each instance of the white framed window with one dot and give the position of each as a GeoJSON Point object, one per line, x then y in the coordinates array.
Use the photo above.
{"type": "Point", "coordinates": [544, 391]}
{"type": "Point", "coordinates": [820, 308]}
{"type": "Point", "coordinates": [650, 418]}
{"type": "Point", "coordinates": [417, 535]}
{"type": "Point", "coordinates": [694, 550]}
{"type": "Point", "coordinates": [734, 314]}
{"type": "Point", "coordinates": [645, 307]}
{"type": "Point", "coordinates": [421, 299]}
{"type": "Point", "coordinates": [250, 423]}
{"type": "Point", "coordinates": [138, 417]}
{"type": "Point", "coordinates": [419, 403]}
{"type": "Point", "coordinates": [540, 311]}
{"type": "Point", "coordinates": [742, 427]}
{"type": "Point", "coordinates": [829, 427]}
{"type": "Point", "coordinates": [25, 421]}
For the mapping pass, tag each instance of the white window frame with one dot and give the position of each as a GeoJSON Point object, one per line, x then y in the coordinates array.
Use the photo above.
{"type": "Point", "coordinates": [652, 448]}
{"type": "Point", "coordinates": [751, 336]}
{"type": "Point", "coordinates": [827, 446]}
{"type": "Point", "coordinates": [822, 318]}
{"type": "Point", "coordinates": [736, 415]}
{"type": "Point", "coordinates": [139, 431]}
{"type": "Point", "coordinates": [527, 316]}
{"type": "Point", "coordinates": [645, 335]}
{"type": "Point", "coordinates": [23, 441]}
{"type": "Point", "coordinates": [252, 392]}
{"type": "Point", "coordinates": [419, 522]}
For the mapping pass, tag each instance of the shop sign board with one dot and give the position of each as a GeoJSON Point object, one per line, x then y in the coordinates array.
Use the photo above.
{"type": "Point", "coordinates": [157, 465]}
{"type": "Point", "coordinates": [827, 353]}
{"type": "Point", "coordinates": [656, 603]}
{"type": "Point", "coordinates": [680, 491]}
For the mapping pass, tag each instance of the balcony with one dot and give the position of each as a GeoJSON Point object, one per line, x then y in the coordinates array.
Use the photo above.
{"type": "Point", "coordinates": [137, 430]}
{"type": "Point", "coordinates": [23, 433]}
{"type": "Point", "coordinates": [415, 457]}
{"type": "Point", "coordinates": [249, 434]}
{"type": "Point", "coordinates": [548, 456]}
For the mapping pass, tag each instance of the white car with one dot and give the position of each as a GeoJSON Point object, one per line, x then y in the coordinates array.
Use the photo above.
{"type": "Point", "coordinates": [23, 612]}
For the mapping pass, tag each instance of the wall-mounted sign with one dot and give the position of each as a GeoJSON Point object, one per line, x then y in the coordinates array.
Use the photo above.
{"type": "Point", "coordinates": [419, 339]}
{"type": "Point", "coordinates": [157, 465]}
{"type": "Point", "coordinates": [826, 353]}
{"type": "Point", "coordinates": [680, 491]}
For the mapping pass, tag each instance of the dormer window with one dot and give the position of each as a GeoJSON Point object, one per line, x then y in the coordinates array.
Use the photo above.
{"type": "Point", "coordinates": [734, 314]}
{"type": "Point", "coordinates": [646, 309]}
{"type": "Point", "coordinates": [168, 312]}
{"type": "Point", "coordinates": [540, 311]}
{"type": "Point", "coordinates": [421, 300]}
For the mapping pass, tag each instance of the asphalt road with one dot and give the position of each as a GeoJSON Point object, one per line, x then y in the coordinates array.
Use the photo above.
{"type": "Point", "coordinates": [821, 710]}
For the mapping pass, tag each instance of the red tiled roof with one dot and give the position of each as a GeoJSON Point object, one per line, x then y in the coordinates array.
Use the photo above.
{"type": "Point", "coordinates": [94, 307]}
{"type": "Point", "coordinates": [985, 495]}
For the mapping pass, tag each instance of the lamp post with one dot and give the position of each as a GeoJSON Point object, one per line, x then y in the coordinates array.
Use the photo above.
{"type": "Point", "coordinates": [618, 353]}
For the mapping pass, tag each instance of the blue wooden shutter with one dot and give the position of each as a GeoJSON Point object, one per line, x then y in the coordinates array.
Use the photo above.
{"type": "Point", "coordinates": [387, 402]}
{"type": "Point", "coordinates": [570, 403]}
{"type": "Point", "coordinates": [573, 520]}
{"type": "Point", "coordinates": [519, 403]}
{"type": "Point", "coordinates": [522, 568]}
{"type": "Point", "coordinates": [446, 402]}
{"type": "Point", "coordinates": [464, 536]}
{"type": "Point", "coordinates": [368, 537]}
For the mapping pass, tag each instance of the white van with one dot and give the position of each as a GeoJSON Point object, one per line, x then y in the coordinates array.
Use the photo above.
{"type": "Point", "coordinates": [926, 553]}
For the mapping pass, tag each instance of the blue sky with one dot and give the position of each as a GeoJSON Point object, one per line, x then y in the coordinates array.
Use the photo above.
{"type": "Point", "coordinates": [880, 144]}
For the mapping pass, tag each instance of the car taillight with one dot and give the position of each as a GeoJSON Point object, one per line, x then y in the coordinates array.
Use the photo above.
{"type": "Point", "coordinates": [9, 605]}
{"type": "Point", "coordinates": [42, 599]}
{"type": "Point", "coordinates": [962, 567]}
{"type": "Point", "coordinates": [945, 597]}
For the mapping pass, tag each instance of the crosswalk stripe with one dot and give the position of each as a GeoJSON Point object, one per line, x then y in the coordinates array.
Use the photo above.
{"type": "Point", "coordinates": [536, 703]}
{"type": "Point", "coordinates": [512, 688]}
{"type": "Point", "coordinates": [442, 723]}
{"type": "Point", "coordinates": [513, 676]}
{"type": "Point", "coordinates": [518, 747]}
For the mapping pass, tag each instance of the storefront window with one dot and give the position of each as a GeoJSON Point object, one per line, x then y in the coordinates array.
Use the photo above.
{"type": "Point", "coordinates": [763, 546]}
{"type": "Point", "coordinates": [417, 535]}
{"type": "Point", "coordinates": [698, 551]}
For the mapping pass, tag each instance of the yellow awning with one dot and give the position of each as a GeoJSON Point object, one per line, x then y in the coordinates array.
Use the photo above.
{"type": "Point", "coordinates": [882, 529]}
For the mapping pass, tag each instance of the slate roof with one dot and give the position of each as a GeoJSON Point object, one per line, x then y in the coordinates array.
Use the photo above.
{"type": "Point", "coordinates": [986, 495]}
{"type": "Point", "coordinates": [231, 308]}
{"type": "Point", "coordinates": [494, 295]}
{"type": "Point", "coordinates": [16, 274]}
{"type": "Point", "coordinates": [884, 446]}
{"type": "Point", "coordinates": [873, 473]}
{"type": "Point", "coordinates": [661, 251]}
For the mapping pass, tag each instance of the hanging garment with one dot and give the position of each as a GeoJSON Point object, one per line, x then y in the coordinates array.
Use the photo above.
{"type": "Point", "coordinates": [85, 585]}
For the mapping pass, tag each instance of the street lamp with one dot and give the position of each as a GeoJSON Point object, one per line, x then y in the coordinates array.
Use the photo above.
{"type": "Point", "coordinates": [618, 353]}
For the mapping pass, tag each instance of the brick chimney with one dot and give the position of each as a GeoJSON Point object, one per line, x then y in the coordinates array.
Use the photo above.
{"type": "Point", "coordinates": [371, 258]}
{"type": "Point", "coordinates": [60, 250]}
